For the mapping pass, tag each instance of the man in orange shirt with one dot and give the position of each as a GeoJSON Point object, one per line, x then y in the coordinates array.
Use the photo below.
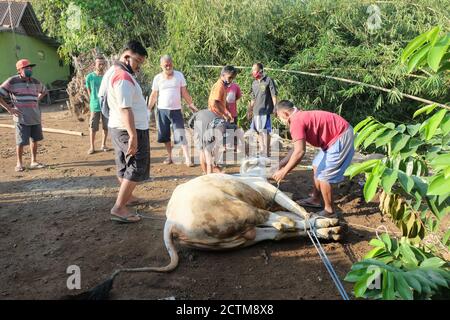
{"type": "Point", "coordinates": [217, 101]}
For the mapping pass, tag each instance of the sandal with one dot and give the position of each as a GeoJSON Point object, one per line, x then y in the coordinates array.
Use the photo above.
{"type": "Point", "coordinates": [37, 165]}
{"type": "Point", "coordinates": [105, 149]}
{"type": "Point", "coordinates": [126, 219]}
{"type": "Point", "coordinates": [168, 161]}
{"type": "Point", "coordinates": [19, 169]}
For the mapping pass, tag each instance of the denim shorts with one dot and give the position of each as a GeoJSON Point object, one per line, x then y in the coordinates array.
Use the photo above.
{"type": "Point", "coordinates": [24, 133]}
{"type": "Point", "coordinates": [332, 163]}
{"type": "Point", "coordinates": [168, 119]}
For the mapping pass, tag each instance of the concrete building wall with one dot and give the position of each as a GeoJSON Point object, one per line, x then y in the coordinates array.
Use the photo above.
{"type": "Point", "coordinates": [48, 68]}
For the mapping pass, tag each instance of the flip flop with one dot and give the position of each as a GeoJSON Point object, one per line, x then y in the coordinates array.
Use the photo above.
{"type": "Point", "coordinates": [168, 161]}
{"type": "Point", "coordinates": [106, 149]}
{"type": "Point", "coordinates": [307, 203]}
{"type": "Point", "coordinates": [37, 165]}
{"type": "Point", "coordinates": [91, 151]}
{"type": "Point", "coordinates": [19, 169]}
{"type": "Point", "coordinates": [126, 219]}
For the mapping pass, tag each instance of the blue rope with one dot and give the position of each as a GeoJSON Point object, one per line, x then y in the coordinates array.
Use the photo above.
{"type": "Point", "coordinates": [313, 236]}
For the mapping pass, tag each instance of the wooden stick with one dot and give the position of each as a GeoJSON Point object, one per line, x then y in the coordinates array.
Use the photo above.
{"type": "Point", "coordinates": [73, 133]}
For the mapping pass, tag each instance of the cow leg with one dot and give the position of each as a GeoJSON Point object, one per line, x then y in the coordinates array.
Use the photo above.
{"type": "Point", "coordinates": [271, 233]}
{"type": "Point", "coordinates": [319, 223]}
{"type": "Point", "coordinates": [288, 221]}
{"type": "Point", "coordinates": [271, 193]}
{"type": "Point", "coordinates": [291, 225]}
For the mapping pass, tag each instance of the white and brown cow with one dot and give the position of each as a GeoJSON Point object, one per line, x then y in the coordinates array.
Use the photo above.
{"type": "Point", "coordinates": [220, 211]}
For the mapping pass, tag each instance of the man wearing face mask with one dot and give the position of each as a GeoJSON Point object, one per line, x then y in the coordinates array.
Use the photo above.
{"type": "Point", "coordinates": [168, 88]}
{"type": "Point", "coordinates": [217, 101]}
{"type": "Point", "coordinates": [93, 81]}
{"type": "Point", "coordinates": [327, 131]}
{"type": "Point", "coordinates": [128, 125]}
{"type": "Point", "coordinates": [24, 94]}
{"type": "Point", "coordinates": [263, 100]}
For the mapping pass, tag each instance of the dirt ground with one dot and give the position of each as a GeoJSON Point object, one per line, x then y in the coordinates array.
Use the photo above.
{"type": "Point", "coordinates": [59, 216]}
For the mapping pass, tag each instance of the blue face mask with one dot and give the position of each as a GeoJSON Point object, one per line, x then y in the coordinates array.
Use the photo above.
{"type": "Point", "coordinates": [28, 73]}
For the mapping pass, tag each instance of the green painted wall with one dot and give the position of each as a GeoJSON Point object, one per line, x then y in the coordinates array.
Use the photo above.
{"type": "Point", "coordinates": [47, 67]}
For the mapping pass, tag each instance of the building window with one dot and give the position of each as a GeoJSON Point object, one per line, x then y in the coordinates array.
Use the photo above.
{"type": "Point", "coordinates": [41, 55]}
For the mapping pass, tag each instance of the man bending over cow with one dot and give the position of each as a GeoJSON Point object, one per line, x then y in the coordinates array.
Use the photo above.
{"type": "Point", "coordinates": [209, 129]}
{"type": "Point", "coordinates": [327, 131]}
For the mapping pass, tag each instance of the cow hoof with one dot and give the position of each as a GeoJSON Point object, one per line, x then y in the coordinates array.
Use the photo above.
{"type": "Point", "coordinates": [287, 221]}
{"type": "Point", "coordinates": [329, 233]}
{"type": "Point", "coordinates": [336, 237]}
{"type": "Point", "coordinates": [278, 226]}
{"type": "Point", "coordinates": [326, 222]}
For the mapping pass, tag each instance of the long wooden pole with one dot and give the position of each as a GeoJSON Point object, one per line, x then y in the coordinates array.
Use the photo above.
{"type": "Point", "coordinates": [73, 133]}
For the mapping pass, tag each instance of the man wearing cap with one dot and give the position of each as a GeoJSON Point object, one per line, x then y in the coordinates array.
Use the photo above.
{"type": "Point", "coordinates": [23, 94]}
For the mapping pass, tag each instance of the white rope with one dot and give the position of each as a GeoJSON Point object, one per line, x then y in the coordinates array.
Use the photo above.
{"type": "Point", "coordinates": [313, 236]}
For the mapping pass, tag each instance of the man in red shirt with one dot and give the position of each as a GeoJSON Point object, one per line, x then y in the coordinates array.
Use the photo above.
{"type": "Point", "coordinates": [327, 131]}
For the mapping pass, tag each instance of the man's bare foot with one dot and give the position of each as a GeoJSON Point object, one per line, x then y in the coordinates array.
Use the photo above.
{"type": "Point", "coordinates": [135, 201]}
{"type": "Point", "coordinates": [189, 164]}
{"type": "Point", "coordinates": [218, 170]}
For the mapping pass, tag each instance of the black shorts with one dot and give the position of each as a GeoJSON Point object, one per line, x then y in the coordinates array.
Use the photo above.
{"type": "Point", "coordinates": [134, 168]}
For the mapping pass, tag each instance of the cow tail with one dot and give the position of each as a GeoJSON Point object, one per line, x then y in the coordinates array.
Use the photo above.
{"type": "Point", "coordinates": [168, 241]}
{"type": "Point", "coordinates": [101, 291]}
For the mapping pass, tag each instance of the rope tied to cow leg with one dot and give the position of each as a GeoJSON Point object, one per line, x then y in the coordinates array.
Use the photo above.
{"type": "Point", "coordinates": [323, 256]}
{"type": "Point", "coordinates": [310, 229]}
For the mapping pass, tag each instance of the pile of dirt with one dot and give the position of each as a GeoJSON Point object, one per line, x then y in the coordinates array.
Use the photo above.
{"type": "Point", "coordinates": [76, 89]}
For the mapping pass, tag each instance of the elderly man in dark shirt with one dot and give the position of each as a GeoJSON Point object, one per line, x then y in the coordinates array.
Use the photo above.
{"type": "Point", "coordinates": [264, 98]}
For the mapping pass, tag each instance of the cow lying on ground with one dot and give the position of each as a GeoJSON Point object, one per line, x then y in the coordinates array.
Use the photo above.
{"type": "Point", "coordinates": [220, 211]}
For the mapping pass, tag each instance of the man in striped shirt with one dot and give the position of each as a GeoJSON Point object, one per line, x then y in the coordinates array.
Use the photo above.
{"type": "Point", "coordinates": [23, 94]}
